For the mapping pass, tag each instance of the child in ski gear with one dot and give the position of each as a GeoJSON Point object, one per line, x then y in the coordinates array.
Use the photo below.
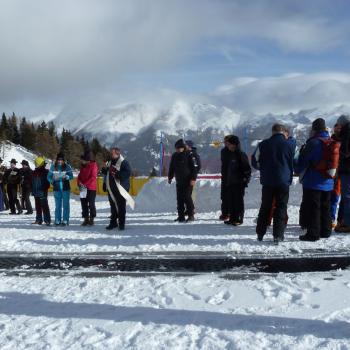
{"type": "Point", "coordinates": [117, 178]}
{"type": "Point", "coordinates": [87, 183]}
{"type": "Point", "coordinates": [12, 180]}
{"type": "Point", "coordinates": [183, 168]}
{"type": "Point", "coordinates": [316, 186]}
{"type": "Point", "coordinates": [274, 158]}
{"type": "Point", "coordinates": [40, 186]}
{"type": "Point", "coordinates": [26, 186]}
{"type": "Point", "coordinates": [59, 176]}
{"type": "Point", "coordinates": [237, 179]}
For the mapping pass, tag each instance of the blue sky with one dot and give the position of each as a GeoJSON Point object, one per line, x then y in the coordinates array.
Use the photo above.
{"type": "Point", "coordinates": [118, 50]}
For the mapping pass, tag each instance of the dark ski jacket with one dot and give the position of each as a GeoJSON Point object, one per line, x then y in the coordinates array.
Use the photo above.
{"type": "Point", "coordinates": [40, 184]}
{"type": "Point", "coordinates": [225, 153]}
{"type": "Point", "coordinates": [196, 159]}
{"type": "Point", "coordinates": [12, 177]}
{"type": "Point", "coordinates": [344, 161]}
{"type": "Point", "coordinates": [274, 158]}
{"type": "Point", "coordinates": [238, 169]}
{"type": "Point", "coordinates": [26, 178]}
{"type": "Point", "coordinates": [182, 166]}
{"type": "Point", "coordinates": [123, 175]}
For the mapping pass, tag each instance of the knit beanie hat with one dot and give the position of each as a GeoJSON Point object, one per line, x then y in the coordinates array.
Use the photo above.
{"type": "Point", "coordinates": [60, 156]}
{"type": "Point", "coordinates": [180, 144]}
{"type": "Point", "coordinates": [343, 120]}
{"type": "Point", "coordinates": [319, 125]}
{"type": "Point", "coordinates": [233, 140]}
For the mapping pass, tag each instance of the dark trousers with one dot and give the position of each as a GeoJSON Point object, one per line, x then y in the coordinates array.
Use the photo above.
{"type": "Point", "coordinates": [235, 195]}
{"type": "Point", "coordinates": [224, 199]}
{"type": "Point", "coordinates": [281, 197]}
{"type": "Point", "coordinates": [317, 212]}
{"type": "Point", "coordinates": [5, 197]}
{"type": "Point", "coordinates": [184, 198]}
{"type": "Point", "coordinates": [13, 200]}
{"type": "Point", "coordinates": [118, 210]}
{"type": "Point", "coordinates": [88, 205]}
{"type": "Point", "coordinates": [26, 200]}
{"type": "Point", "coordinates": [42, 209]}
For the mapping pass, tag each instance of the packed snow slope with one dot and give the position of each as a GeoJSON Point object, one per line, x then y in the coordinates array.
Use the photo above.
{"type": "Point", "coordinates": [9, 150]}
{"type": "Point", "coordinates": [152, 228]}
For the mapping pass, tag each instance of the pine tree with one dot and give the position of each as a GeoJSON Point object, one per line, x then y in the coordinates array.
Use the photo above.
{"type": "Point", "coordinates": [4, 127]}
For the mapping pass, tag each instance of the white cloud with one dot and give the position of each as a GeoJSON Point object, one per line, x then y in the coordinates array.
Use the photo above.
{"type": "Point", "coordinates": [53, 51]}
{"type": "Point", "coordinates": [286, 93]}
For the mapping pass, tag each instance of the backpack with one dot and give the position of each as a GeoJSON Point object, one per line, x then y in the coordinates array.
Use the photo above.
{"type": "Point", "coordinates": [329, 162]}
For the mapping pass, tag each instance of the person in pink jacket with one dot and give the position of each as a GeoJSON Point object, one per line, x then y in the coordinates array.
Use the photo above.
{"type": "Point", "coordinates": [87, 183]}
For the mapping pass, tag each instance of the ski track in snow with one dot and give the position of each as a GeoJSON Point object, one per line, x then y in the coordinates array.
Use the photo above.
{"type": "Point", "coordinates": [286, 311]}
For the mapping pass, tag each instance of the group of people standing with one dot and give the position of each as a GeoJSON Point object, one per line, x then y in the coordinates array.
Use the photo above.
{"type": "Point", "coordinates": [322, 164]}
{"type": "Point", "coordinates": [38, 181]}
{"type": "Point", "coordinates": [323, 167]}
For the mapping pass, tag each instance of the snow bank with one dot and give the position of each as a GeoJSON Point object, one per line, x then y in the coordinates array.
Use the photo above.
{"type": "Point", "coordinates": [157, 196]}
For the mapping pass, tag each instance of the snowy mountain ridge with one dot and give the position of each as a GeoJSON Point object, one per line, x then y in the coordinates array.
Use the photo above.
{"type": "Point", "coordinates": [179, 117]}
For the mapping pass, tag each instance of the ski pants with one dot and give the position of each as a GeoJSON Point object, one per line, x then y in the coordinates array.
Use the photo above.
{"type": "Point", "coordinates": [224, 199]}
{"type": "Point", "coordinates": [88, 205]}
{"type": "Point", "coordinates": [42, 209]}
{"type": "Point", "coordinates": [26, 200]}
{"type": "Point", "coordinates": [13, 200]}
{"type": "Point", "coordinates": [118, 209]}
{"type": "Point", "coordinates": [184, 198]}
{"type": "Point", "coordinates": [281, 197]}
{"type": "Point", "coordinates": [235, 195]}
{"type": "Point", "coordinates": [62, 200]}
{"type": "Point", "coordinates": [317, 211]}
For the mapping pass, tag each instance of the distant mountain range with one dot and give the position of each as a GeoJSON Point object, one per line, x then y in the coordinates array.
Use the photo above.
{"type": "Point", "coordinates": [136, 128]}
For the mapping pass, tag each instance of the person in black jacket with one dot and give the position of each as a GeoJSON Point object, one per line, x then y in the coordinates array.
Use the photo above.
{"type": "Point", "coordinates": [116, 170]}
{"type": "Point", "coordinates": [12, 180]}
{"type": "Point", "coordinates": [224, 195]}
{"type": "Point", "coordinates": [236, 180]}
{"type": "Point", "coordinates": [274, 159]}
{"type": "Point", "coordinates": [344, 173]}
{"type": "Point", "coordinates": [196, 159]}
{"type": "Point", "coordinates": [183, 168]}
{"type": "Point", "coordinates": [26, 186]}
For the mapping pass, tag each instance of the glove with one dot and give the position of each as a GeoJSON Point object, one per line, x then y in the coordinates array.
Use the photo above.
{"type": "Point", "coordinates": [104, 187]}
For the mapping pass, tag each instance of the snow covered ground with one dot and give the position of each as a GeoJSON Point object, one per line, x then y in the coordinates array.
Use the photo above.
{"type": "Point", "coordinates": [305, 311]}
{"type": "Point", "coordinates": [284, 311]}
{"type": "Point", "coordinates": [151, 227]}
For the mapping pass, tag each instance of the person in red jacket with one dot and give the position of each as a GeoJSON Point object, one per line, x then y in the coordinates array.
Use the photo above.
{"type": "Point", "coordinates": [87, 183]}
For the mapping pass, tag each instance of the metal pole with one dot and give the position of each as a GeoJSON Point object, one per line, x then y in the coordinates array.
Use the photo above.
{"type": "Point", "coordinates": [161, 154]}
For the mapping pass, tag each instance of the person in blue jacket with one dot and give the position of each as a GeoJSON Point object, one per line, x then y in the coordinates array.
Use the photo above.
{"type": "Point", "coordinates": [274, 158]}
{"type": "Point", "coordinates": [59, 176]}
{"type": "Point", "coordinates": [317, 188]}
